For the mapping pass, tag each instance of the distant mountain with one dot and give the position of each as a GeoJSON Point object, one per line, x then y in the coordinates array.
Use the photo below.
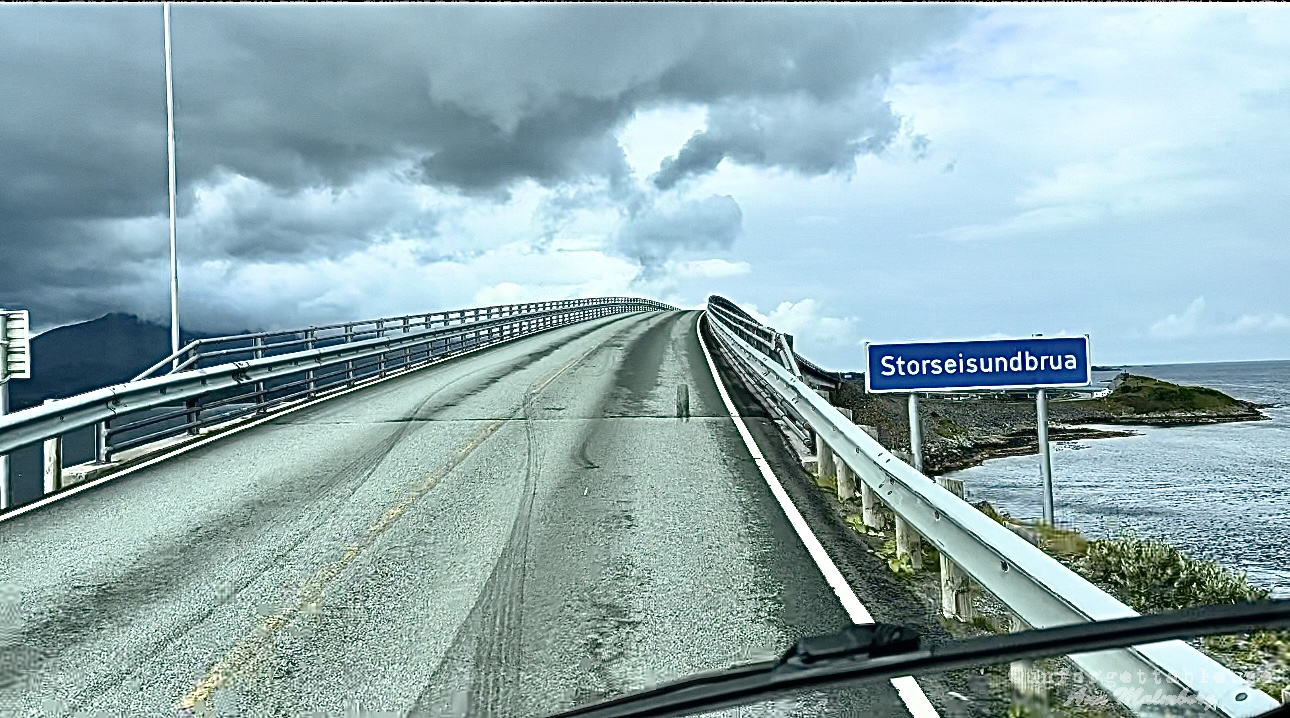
{"type": "Point", "coordinates": [76, 358]}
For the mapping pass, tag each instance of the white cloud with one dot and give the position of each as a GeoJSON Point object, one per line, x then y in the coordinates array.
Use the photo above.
{"type": "Point", "coordinates": [1195, 321]}
{"type": "Point", "coordinates": [807, 323]}
{"type": "Point", "coordinates": [390, 278]}
{"type": "Point", "coordinates": [1140, 180]}
{"type": "Point", "coordinates": [706, 268]}
{"type": "Point", "coordinates": [653, 135]}
{"type": "Point", "coordinates": [1185, 324]}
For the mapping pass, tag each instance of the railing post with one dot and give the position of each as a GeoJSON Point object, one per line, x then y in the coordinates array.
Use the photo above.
{"type": "Point", "coordinates": [310, 345]}
{"type": "Point", "coordinates": [869, 503]}
{"type": "Point", "coordinates": [824, 459]}
{"type": "Point", "coordinates": [407, 350]}
{"type": "Point", "coordinates": [349, 365]}
{"type": "Point", "coordinates": [1026, 681]}
{"type": "Point", "coordinates": [380, 365]}
{"type": "Point", "coordinates": [869, 508]}
{"type": "Point", "coordinates": [6, 484]}
{"type": "Point", "coordinates": [53, 462]}
{"type": "Point", "coordinates": [956, 588]}
{"type": "Point", "coordinates": [259, 385]}
{"type": "Point", "coordinates": [846, 482]}
{"type": "Point", "coordinates": [909, 543]}
{"type": "Point", "coordinates": [846, 479]}
{"type": "Point", "coordinates": [101, 454]}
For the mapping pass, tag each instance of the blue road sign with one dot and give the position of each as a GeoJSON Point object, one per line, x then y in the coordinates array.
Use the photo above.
{"type": "Point", "coordinates": [959, 366]}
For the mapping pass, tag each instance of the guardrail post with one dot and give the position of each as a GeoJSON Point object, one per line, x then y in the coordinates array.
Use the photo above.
{"type": "Point", "coordinates": [869, 508]}
{"type": "Point", "coordinates": [824, 459]}
{"type": "Point", "coordinates": [909, 543]}
{"type": "Point", "coordinates": [407, 351]}
{"type": "Point", "coordinates": [869, 503]}
{"type": "Point", "coordinates": [1026, 681]}
{"type": "Point", "coordinates": [259, 385]}
{"type": "Point", "coordinates": [101, 454]}
{"type": "Point", "coordinates": [846, 479]}
{"type": "Point", "coordinates": [53, 462]}
{"type": "Point", "coordinates": [380, 365]}
{"type": "Point", "coordinates": [956, 588]}
{"type": "Point", "coordinates": [192, 418]}
{"type": "Point", "coordinates": [846, 482]}
{"type": "Point", "coordinates": [311, 344]}
{"type": "Point", "coordinates": [6, 485]}
{"type": "Point", "coordinates": [349, 365]}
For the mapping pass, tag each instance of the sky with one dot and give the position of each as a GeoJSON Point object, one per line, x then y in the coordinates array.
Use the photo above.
{"type": "Point", "coordinates": [848, 173]}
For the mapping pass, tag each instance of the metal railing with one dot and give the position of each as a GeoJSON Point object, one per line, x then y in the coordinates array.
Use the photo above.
{"type": "Point", "coordinates": [1036, 588]}
{"type": "Point", "coordinates": [223, 379]}
{"type": "Point", "coordinates": [771, 343]}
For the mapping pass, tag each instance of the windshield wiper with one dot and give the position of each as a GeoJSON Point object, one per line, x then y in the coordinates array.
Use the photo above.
{"type": "Point", "coordinates": [875, 651]}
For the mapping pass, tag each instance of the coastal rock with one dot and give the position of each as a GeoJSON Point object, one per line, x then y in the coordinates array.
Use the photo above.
{"type": "Point", "coordinates": [961, 432]}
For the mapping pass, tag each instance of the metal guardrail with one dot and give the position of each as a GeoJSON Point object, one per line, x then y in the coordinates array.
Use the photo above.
{"type": "Point", "coordinates": [257, 345]}
{"type": "Point", "coordinates": [151, 409]}
{"type": "Point", "coordinates": [1035, 587]}
{"type": "Point", "coordinates": [772, 343]}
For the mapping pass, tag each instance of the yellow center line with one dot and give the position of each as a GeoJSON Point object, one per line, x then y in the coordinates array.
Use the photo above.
{"type": "Point", "coordinates": [253, 649]}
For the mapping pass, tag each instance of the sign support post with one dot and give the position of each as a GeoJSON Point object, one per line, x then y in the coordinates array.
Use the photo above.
{"type": "Point", "coordinates": [1035, 364]}
{"type": "Point", "coordinates": [915, 432]}
{"type": "Point", "coordinates": [1045, 458]}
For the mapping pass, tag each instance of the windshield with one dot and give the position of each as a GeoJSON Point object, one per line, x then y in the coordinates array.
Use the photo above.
{"type": "Point", "coordinates": [503, 360]}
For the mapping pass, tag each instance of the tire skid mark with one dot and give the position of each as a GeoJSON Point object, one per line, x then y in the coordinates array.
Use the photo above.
{"type": "Point", "coordinates": [256, 648]}
{"type": "Point", "coordinates": [495, 622]}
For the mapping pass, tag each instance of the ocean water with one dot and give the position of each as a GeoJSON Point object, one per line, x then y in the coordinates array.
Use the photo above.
{"type": "Point", "coordinates": [1220, 492]}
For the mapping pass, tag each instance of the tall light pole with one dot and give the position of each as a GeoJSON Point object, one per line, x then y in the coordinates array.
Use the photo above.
{"type": "Point", "coordinates": [170, 152]}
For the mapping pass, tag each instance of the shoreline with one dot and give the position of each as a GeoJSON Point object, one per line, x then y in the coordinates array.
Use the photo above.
{"type": "Point", "coordinates": [960, 434]}
{"type": "Point", "coordinates": [1023, 443]}
{"type": "Point", "coordinates": [1016, 444]}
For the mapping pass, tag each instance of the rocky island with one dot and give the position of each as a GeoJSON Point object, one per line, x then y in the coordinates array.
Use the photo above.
{"type": "Point", "coordinates": [964, 430]}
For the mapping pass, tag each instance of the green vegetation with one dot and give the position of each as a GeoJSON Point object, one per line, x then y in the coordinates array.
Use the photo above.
{"type": "Point", "coordinates": [1152, 576]}
{"type": "Point", "coordinates": [901, 566]}
{"type": "Point", "coordinates": [1144, 395]}
{"type": "Point", "coordinates": [827, 483]}
{"type": "Point", "coordinates": [1146, 574]}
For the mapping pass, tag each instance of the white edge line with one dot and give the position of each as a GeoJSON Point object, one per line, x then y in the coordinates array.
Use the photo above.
{"type": "Point", "coordinates": [906, 687]}
{"type": "Point", "coordinates": [55, 498]}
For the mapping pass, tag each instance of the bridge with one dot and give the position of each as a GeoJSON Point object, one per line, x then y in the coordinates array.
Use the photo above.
{"type": "Point", "coordinates": [498, 511]}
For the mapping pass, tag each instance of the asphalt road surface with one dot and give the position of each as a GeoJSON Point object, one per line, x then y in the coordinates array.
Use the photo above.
{"type": "Point", "coordinates": [505, 534]}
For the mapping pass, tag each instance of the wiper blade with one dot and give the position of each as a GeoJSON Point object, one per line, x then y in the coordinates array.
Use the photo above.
{"type": "Point", "coordinates": [876, 651]}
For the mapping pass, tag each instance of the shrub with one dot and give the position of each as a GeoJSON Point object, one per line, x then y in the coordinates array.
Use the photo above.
{"type": "Point", "coordinates": [1153, 576]}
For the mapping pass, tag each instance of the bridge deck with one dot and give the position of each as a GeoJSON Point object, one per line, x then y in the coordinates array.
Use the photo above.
{"type": "Point", "coordinates": [512, 532]}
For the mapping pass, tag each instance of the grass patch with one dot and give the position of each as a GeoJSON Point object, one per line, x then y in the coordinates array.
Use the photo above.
{"type": "Point", "coordinates": [826, 482]}
{"type": "Point", "coordinates": [901, 566]}
{"type": "Point", "coordinates": [1144, 395]}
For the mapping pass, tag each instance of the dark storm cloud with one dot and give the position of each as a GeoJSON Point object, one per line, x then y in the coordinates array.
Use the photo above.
{"type": "Point", "coordinates": [651, 236]}
{"type": "Point", "coordinates": [797, 134]}
{"type": "Point", "coordinates": [472, 98]}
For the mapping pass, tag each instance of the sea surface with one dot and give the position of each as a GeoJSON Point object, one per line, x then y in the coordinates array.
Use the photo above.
{"type": "Point", "coordinates": [1219, 492]}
